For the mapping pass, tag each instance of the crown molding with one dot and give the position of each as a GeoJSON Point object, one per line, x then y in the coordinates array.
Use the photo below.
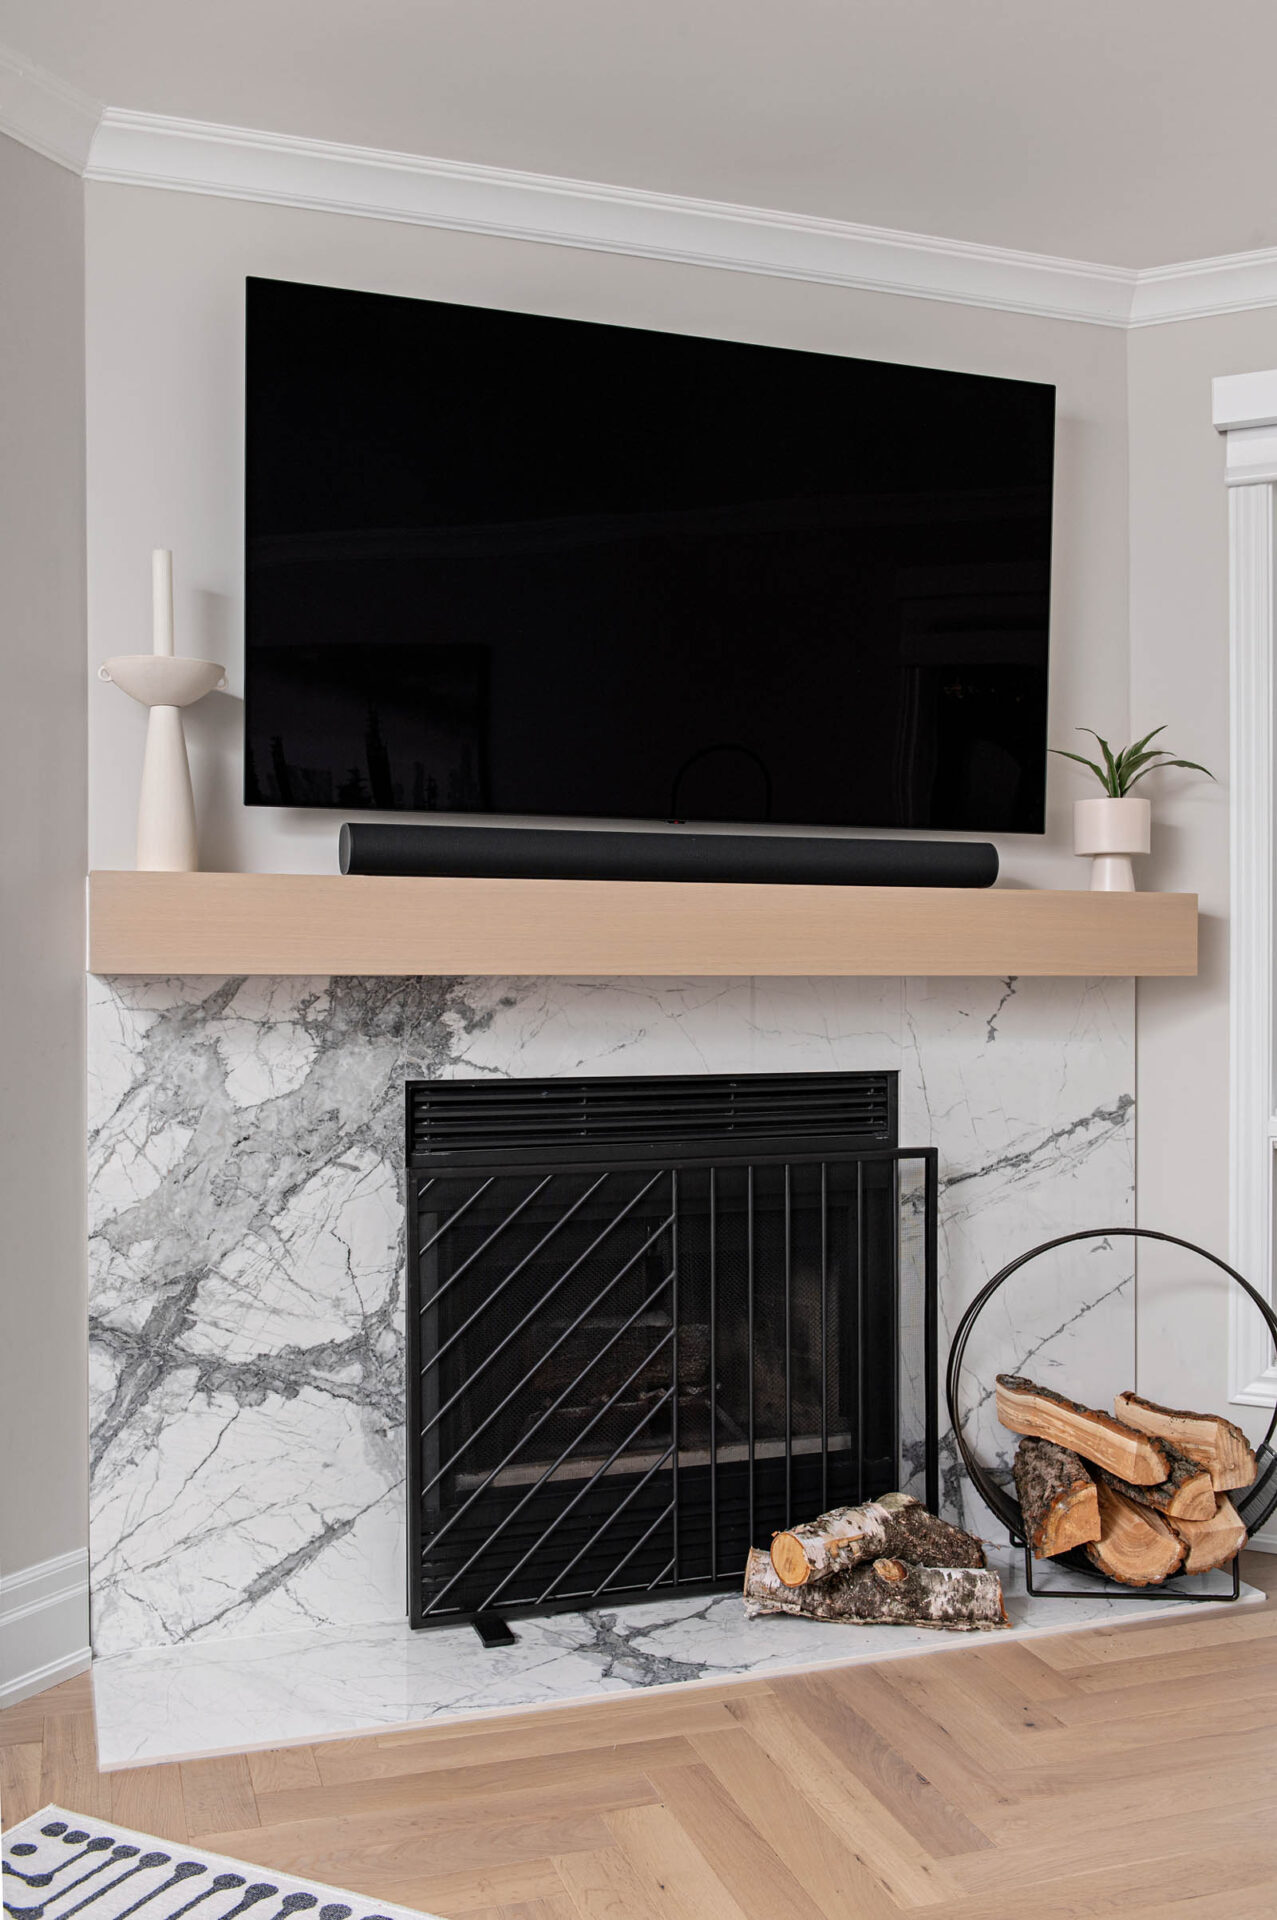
{"type": "Point", "coordinates": [44, 113]}
{"type": "Point", "coordinates": [192, 156]}
{"type": "Point", "coordinates": [1205, 289]}
{"type": "Point", "coordinates": [195, 157]}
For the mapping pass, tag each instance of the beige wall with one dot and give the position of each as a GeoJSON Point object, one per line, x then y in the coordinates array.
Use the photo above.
{"type": "Point", "coordinates": [1137, 451]}
{"type": "Point", "coordinates": [1179, 674]}
{"type": "Point", "coordinates": [43, 807]}
{"type": "Point", "coordinates": [165, 274]}
{"type": "Point", "coordinates": [164, 302]}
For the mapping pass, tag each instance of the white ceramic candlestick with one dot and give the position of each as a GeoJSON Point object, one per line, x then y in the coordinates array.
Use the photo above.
{"type": "Point", "coordinates": [166, 840]}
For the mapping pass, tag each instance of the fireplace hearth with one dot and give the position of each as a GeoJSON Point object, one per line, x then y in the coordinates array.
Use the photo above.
{"type": "Point", "coordinates": [651, 1321]}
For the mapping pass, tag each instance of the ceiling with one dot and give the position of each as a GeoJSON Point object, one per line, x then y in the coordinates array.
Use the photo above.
{"type": "Point", "coordinates": [1128, 132]}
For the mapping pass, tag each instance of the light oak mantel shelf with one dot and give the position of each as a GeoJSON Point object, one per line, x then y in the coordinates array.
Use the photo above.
{"type": "Point", "coordinates": [260, 923]}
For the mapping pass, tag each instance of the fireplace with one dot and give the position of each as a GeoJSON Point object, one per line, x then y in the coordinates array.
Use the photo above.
{"type": "Point", "coordinates": [651, 1321]}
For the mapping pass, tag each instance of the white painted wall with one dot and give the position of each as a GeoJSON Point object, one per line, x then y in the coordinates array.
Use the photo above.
{"type": "Point", "coordinates": [1179, 673]}
{"type": "Point", "coordinates": [165, 274]}
{"type": "Point", "coordinates": [43, 804]}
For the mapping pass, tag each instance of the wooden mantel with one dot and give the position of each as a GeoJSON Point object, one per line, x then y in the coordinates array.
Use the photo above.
{"type": "Point", "coordinates": [231, 923]}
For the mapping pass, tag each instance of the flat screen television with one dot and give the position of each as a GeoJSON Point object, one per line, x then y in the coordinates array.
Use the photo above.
{"type": "Point", "coordinates": [499, 563]}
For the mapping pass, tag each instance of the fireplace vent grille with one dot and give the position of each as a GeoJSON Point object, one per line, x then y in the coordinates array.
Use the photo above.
{"type": "Point", "coordinates": [455, 1118]}
{"type": "Point", "coordinates": [649, 1322]}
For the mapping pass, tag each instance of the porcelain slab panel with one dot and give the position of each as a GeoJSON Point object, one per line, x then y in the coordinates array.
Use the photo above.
{"type": "Point", "coordinates": [246, 1215]}
{"type": "Point", "coordinates": [235, 1695]}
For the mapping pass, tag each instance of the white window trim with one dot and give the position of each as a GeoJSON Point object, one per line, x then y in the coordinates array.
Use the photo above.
{"type": "Point", "coordinates": [1245, 412]}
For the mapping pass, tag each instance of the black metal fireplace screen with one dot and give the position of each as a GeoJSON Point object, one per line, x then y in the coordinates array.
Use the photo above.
{"type": "Point", "coordinates": [650, 1321]}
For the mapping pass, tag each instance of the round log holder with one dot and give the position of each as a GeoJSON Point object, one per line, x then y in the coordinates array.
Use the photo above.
{"type": "Point", "coordinates": [1254, 1504]}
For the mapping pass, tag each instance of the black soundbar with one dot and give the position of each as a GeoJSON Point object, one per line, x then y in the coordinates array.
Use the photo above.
{"type": "Point", "coordinates": [573, 853]}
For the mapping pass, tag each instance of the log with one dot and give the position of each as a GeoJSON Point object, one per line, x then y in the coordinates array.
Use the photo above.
{"type": "Point", "coordinates": [1216, 1443]}
{"type": "Point", "coordinates": [885, 1593]}
{"type": "Point", "coordinates": [1026, 1408]}
{"type": "Point", "coordinates": [1136, 1546]}
{"type": "Point", "coordinates": [896, 1526]}
{"type": "Point", "coordinates": [1185, 1494]}
{"type": "Point", "coordinates": [1215, 1542]}
{"type": "Point", "coordinates": [1058, 1501]}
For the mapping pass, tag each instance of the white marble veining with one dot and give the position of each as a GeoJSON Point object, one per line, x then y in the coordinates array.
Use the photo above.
{"type": "Point", "coordinates": [234, 1695]}
{"type": "Point", "coordinates": [247, 1231]}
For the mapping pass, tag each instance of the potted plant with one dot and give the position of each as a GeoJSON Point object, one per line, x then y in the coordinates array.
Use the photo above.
{"type": "Point", "coordinates": [1114, 827]}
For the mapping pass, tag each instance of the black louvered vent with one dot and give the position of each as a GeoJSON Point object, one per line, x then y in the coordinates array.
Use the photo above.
{"type": "Point", "coordinates": [456, 1118]}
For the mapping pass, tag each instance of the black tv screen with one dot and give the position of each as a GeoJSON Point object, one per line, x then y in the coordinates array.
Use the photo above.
{"type": "Point", "coordinates": [505, 564]}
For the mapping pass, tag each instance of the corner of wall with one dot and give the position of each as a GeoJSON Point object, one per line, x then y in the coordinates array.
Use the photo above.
{"type": "Point", "coordinates": [43, 799]}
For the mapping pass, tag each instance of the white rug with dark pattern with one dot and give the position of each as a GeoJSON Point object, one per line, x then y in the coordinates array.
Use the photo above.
{"type": "Point", "coordinates": [57, 1864]}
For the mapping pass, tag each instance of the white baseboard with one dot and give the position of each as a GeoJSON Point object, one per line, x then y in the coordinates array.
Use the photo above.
{"type": "Point", "coordinates": [44, 1625]}
{"type": "Point", "coordinates": [1263, 1542]}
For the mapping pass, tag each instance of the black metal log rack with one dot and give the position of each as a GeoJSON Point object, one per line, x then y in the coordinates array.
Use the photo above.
{"type": "Point", "coordinates": [1254, 1505]}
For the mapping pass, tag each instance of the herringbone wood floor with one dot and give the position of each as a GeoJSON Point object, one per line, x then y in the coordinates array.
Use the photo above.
{"type": "Point", "coordinates": [1130, 1771]}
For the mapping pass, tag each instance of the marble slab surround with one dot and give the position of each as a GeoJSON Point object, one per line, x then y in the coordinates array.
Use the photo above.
{"type": "Point", "coordinates": [246, 1216]}
{"type": "Point", "coordinates": [230, 1696]}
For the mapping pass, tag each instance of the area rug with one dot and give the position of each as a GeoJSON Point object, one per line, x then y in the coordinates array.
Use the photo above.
{"type": "Point", "coordinates": [57, 1864]}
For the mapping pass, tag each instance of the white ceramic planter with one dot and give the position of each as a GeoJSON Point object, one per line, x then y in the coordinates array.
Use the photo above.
{"type": "Point", "coordinates": [1110, 831]}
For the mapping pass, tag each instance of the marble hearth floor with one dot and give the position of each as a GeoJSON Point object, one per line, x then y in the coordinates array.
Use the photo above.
{"type": "Point", "coordinates": [215, 1696]}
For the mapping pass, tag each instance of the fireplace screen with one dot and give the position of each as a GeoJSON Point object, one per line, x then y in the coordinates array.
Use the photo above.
{"type": "Point", "coordinates": [649, 1322]}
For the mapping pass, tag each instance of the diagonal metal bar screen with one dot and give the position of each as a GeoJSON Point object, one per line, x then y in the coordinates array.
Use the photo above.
{"type": "Point", "coordinates": [649, 1322]}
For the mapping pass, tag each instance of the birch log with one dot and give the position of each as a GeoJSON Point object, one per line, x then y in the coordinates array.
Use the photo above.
{"type": "Point", "coordinates": [896, 1526]}
{"type": "Point", "coordinates": [1058, 1501]}
{"type": "Point", "coordinates": [886, 1593]}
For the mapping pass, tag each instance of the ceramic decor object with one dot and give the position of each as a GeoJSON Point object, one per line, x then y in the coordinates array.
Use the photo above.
{"type": "Point", "coordinates": [160, 681]}
{"type": "Point", "coordinates": [1110, 831]}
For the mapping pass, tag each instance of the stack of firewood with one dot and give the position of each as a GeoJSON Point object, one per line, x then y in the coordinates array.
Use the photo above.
{"type": "Point", "coordinates": [887, 1563]}
{"type": "Point", "coordinates": [1146, 1493]}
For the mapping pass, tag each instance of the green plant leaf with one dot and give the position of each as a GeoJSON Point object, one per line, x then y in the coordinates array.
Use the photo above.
{"type": "Point", "coordinates": [1194, 766]}
{"type": "Point", "coordinates": [1128, 762]}
{"type": "Point", "coordinates": [1122, 770]}
{"type": "Point", "coordinates": [1082, 761]}
{"type": "Point", "coordinates": [1134, 775]}
{"type": "Point", "coordinates": [1129, 755]}
{"type": "Point", "coordinates": [1112, 784]}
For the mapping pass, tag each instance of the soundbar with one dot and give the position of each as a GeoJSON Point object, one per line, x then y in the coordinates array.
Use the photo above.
{"type": "Point", "coordinates": [574, 853]}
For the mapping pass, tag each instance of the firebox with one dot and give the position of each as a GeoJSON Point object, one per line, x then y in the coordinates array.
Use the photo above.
{"type": "Point", "coordinates": [651, 1321]}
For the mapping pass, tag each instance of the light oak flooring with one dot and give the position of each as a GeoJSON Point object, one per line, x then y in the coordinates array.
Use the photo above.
{"type": "Point", "coordinates": [1125, 1771]}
